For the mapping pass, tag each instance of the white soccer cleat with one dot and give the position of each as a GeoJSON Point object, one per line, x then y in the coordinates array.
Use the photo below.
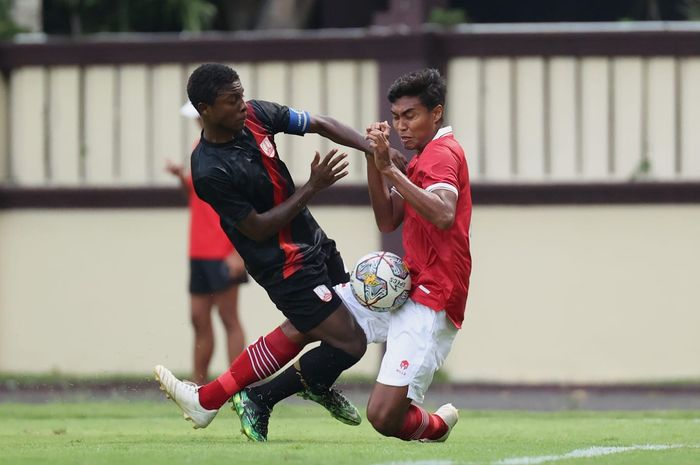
{"type": "Point", "coordinates": [184, 394]}
{"type": "Point", "coordinates": [449, 415]}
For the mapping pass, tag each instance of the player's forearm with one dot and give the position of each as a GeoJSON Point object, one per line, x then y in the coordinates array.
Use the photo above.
{"type": "Point", "coordinates": [380, 198]}
{"type": "Point", "coordinates": [184, 185]}
{"type": "Point", "coordinates": [340, 133]}
{"type": "Point", "coordinates": [262, 226]}
{"type": "Point", "coordinates": [428, 204]}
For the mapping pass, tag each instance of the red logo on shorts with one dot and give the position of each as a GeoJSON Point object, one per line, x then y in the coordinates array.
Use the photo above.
{"type": "Point", "coordinates": [403, 366]}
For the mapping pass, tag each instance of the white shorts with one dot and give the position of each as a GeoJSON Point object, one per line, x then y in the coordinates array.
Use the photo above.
{"type": "Point", "coordinates": [417, 338]}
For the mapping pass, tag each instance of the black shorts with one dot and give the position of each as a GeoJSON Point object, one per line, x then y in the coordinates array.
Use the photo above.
{"type": "Point", "coordinates": [307, 303]}
{"type": "Point", "coordinates": [211, 276]}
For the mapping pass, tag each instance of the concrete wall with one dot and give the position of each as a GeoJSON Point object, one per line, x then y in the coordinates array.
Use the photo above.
{"type": "Point", "coordinates": [558, 293]}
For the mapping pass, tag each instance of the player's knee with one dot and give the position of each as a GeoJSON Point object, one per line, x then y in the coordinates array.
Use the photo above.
{"type": "Point", "coordinates": [201, 323]}
{"type": "Point", "coordinates": [383, 421]}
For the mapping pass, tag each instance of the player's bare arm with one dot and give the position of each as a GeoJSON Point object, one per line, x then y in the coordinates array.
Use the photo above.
{"type": "Point", "coordinates": [324, 173]}
{"type": "Point", "coordinates": [178, 171]}
{"type": "Point", "coordinates": [341, 133]}
{"type": "Point", "coordinates": [438, 207]}
{"type": "Point", "coordinates": [388, 207]}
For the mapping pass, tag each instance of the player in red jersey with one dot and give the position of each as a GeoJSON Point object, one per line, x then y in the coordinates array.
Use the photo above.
{"type": "Point", "coordinates": [433, 201]}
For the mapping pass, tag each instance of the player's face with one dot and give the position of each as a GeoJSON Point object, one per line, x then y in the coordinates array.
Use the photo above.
{"type": "Point", "coordinates": [414, 123]}
{"type": "Point", "coordinates": [229, 108]}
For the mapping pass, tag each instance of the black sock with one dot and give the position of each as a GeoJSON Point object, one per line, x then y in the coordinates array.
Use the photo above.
{"type": "Point", "coordinates": [280, 387]}
{"type": "Point", "coordinates": [321, 367]}
{"type": "Point", "coordinates": [316, 370]}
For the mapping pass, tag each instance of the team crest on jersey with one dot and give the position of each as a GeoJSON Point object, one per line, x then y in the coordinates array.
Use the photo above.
{"type": "Point", "coordinates": [323, 293]}
{"type": "Point", "coordinates": [267, 148]}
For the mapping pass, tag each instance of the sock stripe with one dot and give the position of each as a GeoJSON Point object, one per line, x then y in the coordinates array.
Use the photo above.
{"type": "Point", "coordinates": [259, 360]}
{"type": "Point", "coordinates": [271, 358]}
{"type": "Point", "coordinates": [252, 361]}
{"type": "Point", "coordinates": [264, 357]}
{"type": "Point", "coordinates": [424, 422]}
{"type": "Point", "coordinates": [264, 369]}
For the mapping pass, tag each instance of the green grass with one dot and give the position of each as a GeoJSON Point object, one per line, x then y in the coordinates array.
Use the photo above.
{"type": "Point", "coordinates": [154, 433]}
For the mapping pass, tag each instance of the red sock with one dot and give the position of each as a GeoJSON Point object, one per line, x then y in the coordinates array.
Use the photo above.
{"type": "Point", "coordinates": [261, 359]}
{"type": "Point", "coordinates": [419, 424]}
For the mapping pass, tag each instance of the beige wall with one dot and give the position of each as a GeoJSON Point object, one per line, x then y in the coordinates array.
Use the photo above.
{"type": "Point", "coordinates": [106, 291]}
{"type": "Point", "coordinates": [558, 293]}
{"type": "Point", "coordinates": [582, 294]}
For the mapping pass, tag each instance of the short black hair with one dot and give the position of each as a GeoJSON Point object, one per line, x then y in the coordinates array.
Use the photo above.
{"type": "Point", "coordinates": [206, 82]}
{"type": "Point", "coordinates": [426, 84]}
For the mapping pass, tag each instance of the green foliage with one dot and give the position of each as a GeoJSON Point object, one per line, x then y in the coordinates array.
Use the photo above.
{"type": "Point", "coordinates": [8, 28]}
{"type": "Point", "coordinates": [195, 15]}
{"type": "Point", "coordinates": [93, 16]}
{"type": "Point", "coordinates": [447, 17]}
{"type": "Point", "coordinates": [691, 8]}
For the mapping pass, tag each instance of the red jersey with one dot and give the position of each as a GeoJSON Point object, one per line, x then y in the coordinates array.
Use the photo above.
{"type": "Point", "coordinates": [207, 240]}
{"type": "Point", "coordinates": [440, 261]}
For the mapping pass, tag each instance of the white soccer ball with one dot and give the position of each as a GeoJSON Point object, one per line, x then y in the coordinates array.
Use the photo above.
{"type": "Point", "coordinates": [381, 281]}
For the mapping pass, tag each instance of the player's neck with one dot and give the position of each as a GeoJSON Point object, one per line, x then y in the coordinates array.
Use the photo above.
{"type": "Point", "coordinates": [435, 130]}
{"type": "Point", "coordinates": [218, 135]}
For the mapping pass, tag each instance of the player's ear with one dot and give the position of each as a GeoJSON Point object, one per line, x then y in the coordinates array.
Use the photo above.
{"type": "Point", "coordinates": [202, 108]}
{"type": "Point", "coordinates": [437, 113]}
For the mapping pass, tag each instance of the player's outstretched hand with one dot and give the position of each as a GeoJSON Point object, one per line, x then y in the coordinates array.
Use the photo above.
{"type": "Point", "coordinates": [325, 172]}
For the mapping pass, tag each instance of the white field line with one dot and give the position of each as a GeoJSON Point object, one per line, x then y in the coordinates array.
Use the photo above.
{"type": "Point", "coordinates": [584, 453]}
{"type": "Point", "coordinates": [420, 462]}
{"type": "Point", "coordinates": [589, 452]}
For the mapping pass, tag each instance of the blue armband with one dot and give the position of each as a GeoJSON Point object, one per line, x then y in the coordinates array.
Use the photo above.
{"type": "Point", "coordinates": [298, 122]}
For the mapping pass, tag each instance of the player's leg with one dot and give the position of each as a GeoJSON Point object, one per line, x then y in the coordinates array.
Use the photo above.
{"type": "Point", "coordinates": [293, 380]}
{"type": "Point", "coordinates": [268, 354]}
{"type": "Point", "coordinates": [418, 342]}
{"type": "Point", "coordinates": [201, 305]}
{"type": "Point", "coordinates": [201, 287]}
{"type": "Point", "coordinates": [227, 303]}
{"type": "Point", "coordinates": [318, 313]}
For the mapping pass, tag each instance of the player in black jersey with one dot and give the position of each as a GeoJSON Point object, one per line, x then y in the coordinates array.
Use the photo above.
{"type": "Point", "coordinates": [236, 169]}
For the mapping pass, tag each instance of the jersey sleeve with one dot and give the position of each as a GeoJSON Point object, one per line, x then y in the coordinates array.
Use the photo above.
{"type": "Point", "coordinates": [218, 191]}
{"type": "Point", "coordinates": [280, 118]}
{"type": "Point", "coordinates": [439, 169]}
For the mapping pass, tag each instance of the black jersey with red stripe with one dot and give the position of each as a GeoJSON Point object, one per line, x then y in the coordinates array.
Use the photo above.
{"type": "Point", "coordinates": [247, 174]}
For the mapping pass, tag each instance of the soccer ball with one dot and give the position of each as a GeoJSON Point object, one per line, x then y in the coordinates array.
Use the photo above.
{"type": "Point", "coordinates": [380, 281]}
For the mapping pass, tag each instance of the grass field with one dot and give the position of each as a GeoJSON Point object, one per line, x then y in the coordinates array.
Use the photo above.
{"type": "Point", "coordinates": [153, 433]}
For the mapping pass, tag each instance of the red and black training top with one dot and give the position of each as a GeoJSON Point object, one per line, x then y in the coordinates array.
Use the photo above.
{"type": "Point", "coordinates": [247, 174]}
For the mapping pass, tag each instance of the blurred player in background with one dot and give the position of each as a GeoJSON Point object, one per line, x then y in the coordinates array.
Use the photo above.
{"type": "Point", "coordinates": [216, 270]}
{"type": "Point", "coordinates": [236, 169]}
{"type": "Point", "coordinates": [433, 201]}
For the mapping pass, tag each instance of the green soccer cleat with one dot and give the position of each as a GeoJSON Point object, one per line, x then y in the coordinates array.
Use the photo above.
{"type": "Point", "coordinates": [337, 405]}
{"type": "Point", "coordinates": [254, 418]}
